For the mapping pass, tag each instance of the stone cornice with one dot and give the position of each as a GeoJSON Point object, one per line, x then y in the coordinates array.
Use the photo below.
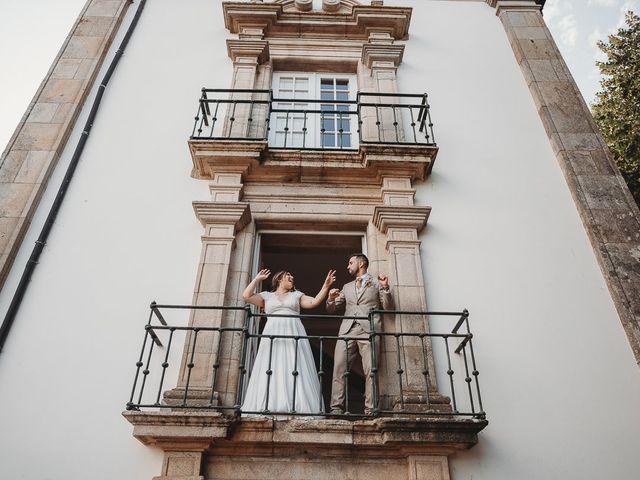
{"type": "Point", "coordinates": [258, 49]}
{"type": "Point", "coordinates": [226, 213]}
{"type": "Point", "coordinates": [385, 217]}
{"type": "Point", "coordinates": [502, 5]}
{"type": "Point", "coordinates": [358, 23]}
{"type": "Point", "coordinates": [374, 52]}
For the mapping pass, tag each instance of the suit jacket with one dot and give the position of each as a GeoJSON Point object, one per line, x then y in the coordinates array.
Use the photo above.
{"type": "Point", "coordinates": [371, 296]}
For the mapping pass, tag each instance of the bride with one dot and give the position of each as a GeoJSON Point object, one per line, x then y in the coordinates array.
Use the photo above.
{"type": "Point", "coordinates": [274, 392]}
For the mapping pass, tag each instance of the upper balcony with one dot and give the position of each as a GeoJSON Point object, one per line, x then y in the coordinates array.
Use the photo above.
{"type": "Point", "coordinates": [359, 128]}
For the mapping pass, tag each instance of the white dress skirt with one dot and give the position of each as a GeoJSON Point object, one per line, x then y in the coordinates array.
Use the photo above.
{"type": "Point", "coordinates": [282, 358]}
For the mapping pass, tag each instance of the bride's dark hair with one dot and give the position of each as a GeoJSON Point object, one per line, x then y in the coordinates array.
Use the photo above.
{"type": "Point", "coordinates": [277, 278]}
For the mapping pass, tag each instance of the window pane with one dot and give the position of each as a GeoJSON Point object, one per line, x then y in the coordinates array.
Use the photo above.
{"type": "Point", "coordinates": [328, 125]}
{"type": "Point", "coordinates": [295, 140]}
{"type": "Point", "coordinates": [346, 140]}
{"type": "Point", "coordinates": [344, 125]}
{"type": "Point", "coordinates": [328, 140]}
{"type": "Point", "coordinates": [326, 95]}
{"type": "Point", "coordinates": [302, 84]}
{"type": "Point", "coordinates": [342, 96]}
{"type": "Point", "coordinates": [326, 83]}
{"type": "Point", "coordinates": [342, 84]}
{"type": "Point", "coordinates": [286, 83]}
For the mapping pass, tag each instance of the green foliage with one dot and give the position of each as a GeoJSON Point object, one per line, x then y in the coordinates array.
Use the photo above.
{"type": "Point", "coordinates": [617, 106]}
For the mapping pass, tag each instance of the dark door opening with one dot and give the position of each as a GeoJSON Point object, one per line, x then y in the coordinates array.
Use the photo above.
{"type": "Point", "coordinates": [309, 258]}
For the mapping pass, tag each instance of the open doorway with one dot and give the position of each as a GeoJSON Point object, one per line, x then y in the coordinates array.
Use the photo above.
{"type": "Point", "coordinates": [309, 257]}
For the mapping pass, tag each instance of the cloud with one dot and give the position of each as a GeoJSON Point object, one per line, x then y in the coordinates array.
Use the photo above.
{"type": "Point", "coordinates": [602, 3]}
{"type": "Point", "coordinates": [561, 19]}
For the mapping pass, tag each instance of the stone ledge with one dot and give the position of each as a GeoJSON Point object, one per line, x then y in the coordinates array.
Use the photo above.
{"type": "Point", "coordinates": [389, 436]}
{"type": "Point", "coordinates": [254, 160]}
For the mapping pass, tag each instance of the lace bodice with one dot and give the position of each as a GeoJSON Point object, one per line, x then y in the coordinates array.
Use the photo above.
{"type": "Point", "coordinates": [290, 303]}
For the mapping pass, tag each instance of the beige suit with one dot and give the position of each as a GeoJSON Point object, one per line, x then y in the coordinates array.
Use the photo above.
{"type": "Point", "coordinates": [356, 304]}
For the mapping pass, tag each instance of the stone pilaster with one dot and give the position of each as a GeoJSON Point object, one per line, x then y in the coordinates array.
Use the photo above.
{"type": "Point", "coordinates": [182, 466]}
{"type": "Point", "coordinates": [608, 211]}
{"type": "Point", "coordinates": [208, 358]}
{"type": "Point", "coordinates": [41, 135]}
{"type": "Point", "coordinates": [428, 467]}
{"type": "Point", "coordinates": [251, 70]}
{"type": "Point", "coordinates": [401, 221]}
{"type": "Point", "coordinates": [377, 73]}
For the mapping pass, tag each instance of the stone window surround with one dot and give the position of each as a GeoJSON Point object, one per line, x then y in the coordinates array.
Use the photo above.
{"type": "Point", "coordinates": [372, 189]}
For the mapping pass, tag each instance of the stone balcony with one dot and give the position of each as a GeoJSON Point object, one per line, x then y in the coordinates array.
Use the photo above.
{"type": "Point", "coordinates": [366, 139]}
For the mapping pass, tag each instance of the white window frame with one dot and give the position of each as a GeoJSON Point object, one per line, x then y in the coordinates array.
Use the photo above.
{"type": "Point", "coordinates": [312, 139]}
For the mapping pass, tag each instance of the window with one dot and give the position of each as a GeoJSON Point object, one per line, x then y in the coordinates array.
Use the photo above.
{"type": "Point", "coordinates": [296, 123]}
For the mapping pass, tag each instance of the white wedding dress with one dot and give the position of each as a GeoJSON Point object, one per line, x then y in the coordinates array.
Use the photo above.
{"type": "Point", "coordinates": [282, 351]}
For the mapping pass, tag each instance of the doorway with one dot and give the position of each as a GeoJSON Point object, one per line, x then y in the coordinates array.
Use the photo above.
{"type": "Point", "coordinates": [309, 256]}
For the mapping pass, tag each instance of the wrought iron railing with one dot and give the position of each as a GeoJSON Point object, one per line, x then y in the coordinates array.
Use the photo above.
{"type": "Point", "coordinates": [313, 124]}
{"type": "Point", "coordinates": [403, 363]}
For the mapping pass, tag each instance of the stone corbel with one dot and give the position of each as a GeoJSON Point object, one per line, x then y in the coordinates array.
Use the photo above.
{"type": "Point", "coordinates": [406, 218]}
{"type": "Point", "coordinates": [379, 55]}
{"type": "Point", "coordinates": [248, 50]}
{"type": "Point", "coordinates": [226, 218]}
{"type": "Point", "coordinates": [224, 156]}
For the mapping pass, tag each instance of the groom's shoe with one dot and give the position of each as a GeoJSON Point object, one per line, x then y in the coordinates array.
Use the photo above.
{"type": "Point", "coordinates": [336, 411]}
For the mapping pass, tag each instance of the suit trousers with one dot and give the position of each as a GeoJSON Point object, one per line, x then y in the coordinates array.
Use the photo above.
{"type": "Point", "coordinates": [345, 353]}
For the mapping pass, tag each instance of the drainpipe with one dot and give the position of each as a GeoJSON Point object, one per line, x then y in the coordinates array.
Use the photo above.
{"type": "Point", "coordinates": [62, 191]}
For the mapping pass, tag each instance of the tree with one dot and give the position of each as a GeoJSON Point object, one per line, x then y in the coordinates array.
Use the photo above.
{"type": "Point", "coordinates": [617, 106]}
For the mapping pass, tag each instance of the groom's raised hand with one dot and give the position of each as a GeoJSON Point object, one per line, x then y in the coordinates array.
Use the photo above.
{"type": "Point", "coordinates": [383, 280]}
{"type": "Point", "coordinates": [333, 294]}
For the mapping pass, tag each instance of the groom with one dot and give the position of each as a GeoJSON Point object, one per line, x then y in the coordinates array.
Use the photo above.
{"type": "Point", "coordinates": [357, 298]}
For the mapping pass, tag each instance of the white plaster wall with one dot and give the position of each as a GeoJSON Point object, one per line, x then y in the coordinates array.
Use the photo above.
{"type": "Point", "coordinates": [126, 235]}
{"type": "Point", "coordinates": [504, 239]}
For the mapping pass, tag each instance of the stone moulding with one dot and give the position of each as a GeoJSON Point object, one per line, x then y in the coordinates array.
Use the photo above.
{"type": "Point", "coordinates": [223, 212]}
{"type": "Point", "coordinates": [414, 217]}
{"type": "Point", "coordinates": [358, 24]}
{"type": "Point", "coordinates": [372, 52]}
{"type": "Point", "coordinates": [254, 160]}
{"type": "Point", "coordinates": [389, 437]}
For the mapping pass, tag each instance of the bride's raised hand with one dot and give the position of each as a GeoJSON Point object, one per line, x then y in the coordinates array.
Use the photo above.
{"type": "Point", "coordinates": [263, 274]}
{"type": "Point", "coordinates": [330, 280]}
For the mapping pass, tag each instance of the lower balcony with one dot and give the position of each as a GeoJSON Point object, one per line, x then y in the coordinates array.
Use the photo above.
{"type": "Point", "coordinates": [192, 374]}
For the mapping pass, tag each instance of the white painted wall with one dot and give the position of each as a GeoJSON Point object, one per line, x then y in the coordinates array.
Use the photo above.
{"type": "Point", "coordinates": [504, 239]}
{"type": "Point", "coordinates": [126, 235]}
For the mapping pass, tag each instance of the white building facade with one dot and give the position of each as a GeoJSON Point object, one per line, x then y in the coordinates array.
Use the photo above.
{"type": "Point", "coordinates": [314, 140]}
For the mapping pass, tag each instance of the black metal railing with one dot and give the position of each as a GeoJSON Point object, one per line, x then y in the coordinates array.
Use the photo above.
{"type": "Point", "coordinates": [313, 124]}
{"type": "Point", "coordinates": [402, 364]}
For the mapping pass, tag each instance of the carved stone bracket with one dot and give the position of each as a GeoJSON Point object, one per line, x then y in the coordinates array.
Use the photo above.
{"type": "Point", "coordinates": [374, 54]}
{"type": "Point", "coordinates": [237, 214]}
{"type": "Point", "coordinates": [404, 217]}
{"type": "Point", "coordinates": [248, 48]}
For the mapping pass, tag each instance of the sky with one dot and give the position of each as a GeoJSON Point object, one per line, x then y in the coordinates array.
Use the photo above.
{"type": "Point", "coordinates": [32, 32]}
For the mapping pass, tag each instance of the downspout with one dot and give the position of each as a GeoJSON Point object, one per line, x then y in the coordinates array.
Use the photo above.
{"type": "Point", "coordinates": [62, 191]}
